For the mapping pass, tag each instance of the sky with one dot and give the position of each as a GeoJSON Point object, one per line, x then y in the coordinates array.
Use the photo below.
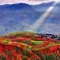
{"type": "Point", "coordinates": [2, 2]}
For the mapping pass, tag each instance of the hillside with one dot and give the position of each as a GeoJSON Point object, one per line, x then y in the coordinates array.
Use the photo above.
{"type": "Point", "coordinates": [28, 46]}
{"type": "Point", "coordinates": [19, 17]}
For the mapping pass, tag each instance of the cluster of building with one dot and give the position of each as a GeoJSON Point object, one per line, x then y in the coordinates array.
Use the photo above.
{"type": "Point", "coordinates": [57, 37]}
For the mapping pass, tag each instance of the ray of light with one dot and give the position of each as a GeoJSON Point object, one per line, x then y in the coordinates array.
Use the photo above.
{"type": "Point", "coordinates": [38, 23]}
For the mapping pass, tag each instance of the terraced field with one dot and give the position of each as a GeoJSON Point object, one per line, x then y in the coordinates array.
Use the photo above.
{"type": "Point", "coordinates": [28, 46]}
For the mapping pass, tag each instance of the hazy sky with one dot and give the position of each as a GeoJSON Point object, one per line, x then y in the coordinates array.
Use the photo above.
{"type": "Point", "coordinates": [23, 1]}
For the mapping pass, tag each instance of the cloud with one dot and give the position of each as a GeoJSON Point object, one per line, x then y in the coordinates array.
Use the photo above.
{"type": "Point", "coordinates": [23, 1]}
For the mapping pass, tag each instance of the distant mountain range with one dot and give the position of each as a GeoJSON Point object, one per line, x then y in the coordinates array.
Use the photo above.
{"type": "Point", "coordinates": [18, 17]}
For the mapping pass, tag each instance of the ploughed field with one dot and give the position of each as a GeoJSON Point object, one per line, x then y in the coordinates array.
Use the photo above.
{"type": "Point", "coordinates": [28, 46]}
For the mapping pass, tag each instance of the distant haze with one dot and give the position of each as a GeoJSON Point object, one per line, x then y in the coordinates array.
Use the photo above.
{"type": "Point", "coordinates": [2, 2]}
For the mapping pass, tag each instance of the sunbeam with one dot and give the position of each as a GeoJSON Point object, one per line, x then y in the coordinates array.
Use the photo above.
{"type": "Point", "coordinates": [38, 23]}
{"type": "Point", "coordinates": [56, 0]}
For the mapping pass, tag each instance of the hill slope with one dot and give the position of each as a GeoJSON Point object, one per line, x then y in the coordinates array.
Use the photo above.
{"type": "Point", "coordinates": [28, 46]}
